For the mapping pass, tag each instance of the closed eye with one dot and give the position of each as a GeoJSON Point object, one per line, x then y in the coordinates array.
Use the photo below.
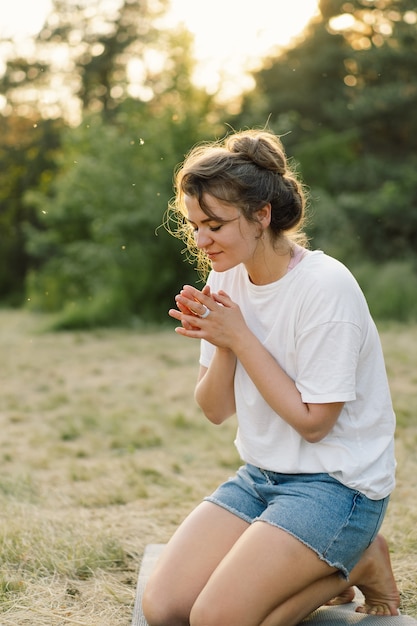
{"type": "Point", "coordinates": [213, 229]}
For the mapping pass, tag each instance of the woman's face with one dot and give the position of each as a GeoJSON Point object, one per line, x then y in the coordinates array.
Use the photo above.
{"type": "Point", "coordinates": [228, 239]}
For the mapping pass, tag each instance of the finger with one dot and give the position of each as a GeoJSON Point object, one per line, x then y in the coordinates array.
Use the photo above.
{"type": "Point", "coordinates": [190, 292]}
{"type": "Point", "coordinates": [184, 309]}
{"type": "Point", "coordinates": [193, 294]}
{"type": "Point", "coordinates": [187, 326]}
{"type": "Point", "coordinates": [192, 334]}
{"type": "Point", "coordinates": [175, 314]}
{"type": "Point", "coordinates": [203, 297]}
{"type": "Point", "coordinates": [223, 298]}
{"type": "Point", "coordinates": [185, 320]}
{"type": "Point", "coordinates": [193, 307]}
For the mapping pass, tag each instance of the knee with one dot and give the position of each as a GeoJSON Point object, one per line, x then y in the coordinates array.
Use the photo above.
{"type": "Point", "coordinates": [207, 615]}
{"type": "Point", "coordinates": [159, 611]}
{"type": "Point", "coordinates": [151, 608]}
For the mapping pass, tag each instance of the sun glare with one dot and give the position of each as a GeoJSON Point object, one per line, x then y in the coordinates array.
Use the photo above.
{"type": "Point", "coordinates": [230, 36]}
{"type": "Point", "coordinates": [21, 18]}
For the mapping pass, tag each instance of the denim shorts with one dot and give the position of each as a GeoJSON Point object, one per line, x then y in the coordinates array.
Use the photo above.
{"type": "Point", "coordinates": [337, 522]}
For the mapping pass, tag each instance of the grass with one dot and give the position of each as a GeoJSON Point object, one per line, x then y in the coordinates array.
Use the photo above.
{"type": "Point", "coordinates": [102, 450]}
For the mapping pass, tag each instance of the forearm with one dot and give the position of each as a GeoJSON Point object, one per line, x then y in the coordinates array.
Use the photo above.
{"type": "Point", "coordinates": [311, 421]}
{"type": "Point", "coordinates": [214, 392]}
{"type": "Point", "coordinates": [225, 328]}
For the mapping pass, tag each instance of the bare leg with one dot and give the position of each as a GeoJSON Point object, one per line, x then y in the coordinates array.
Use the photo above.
{"type": "Point", "coordinates": [219, 570]}
{"type": "Point", "coordinates": [381, 594]}
{"type": "Point", "coordinates": [261, 581]}
{"type": "Point", "coordinates": [295, 609]}
{"type": "Point", "coordinates": [187, 562]}
{"type": "Point", "coordinates": [343, 598]}
{"type": "Point", "coordinates": [268, 578]}
{"type": "Point", "coordinates": [376, 581]}
{"type": "Point", "coordinates": [380, 590]}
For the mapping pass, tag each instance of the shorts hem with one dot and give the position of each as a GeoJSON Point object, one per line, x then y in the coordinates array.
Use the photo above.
{"type": "Point", "coordinates": [230, 509]}
{"type": "Point", "coordinates": [344, 573]}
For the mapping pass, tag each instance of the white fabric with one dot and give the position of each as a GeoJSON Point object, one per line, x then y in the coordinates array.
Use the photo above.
{"type": "Point", "coordinates": [316, 324]}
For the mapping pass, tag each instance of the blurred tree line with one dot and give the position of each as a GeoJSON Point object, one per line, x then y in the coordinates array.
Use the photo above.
{"type": "Point", "coordinates": [96, 118]}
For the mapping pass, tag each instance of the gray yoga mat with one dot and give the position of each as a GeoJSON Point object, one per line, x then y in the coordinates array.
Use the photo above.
{"type": "Point", "coordinates": [343, 615]}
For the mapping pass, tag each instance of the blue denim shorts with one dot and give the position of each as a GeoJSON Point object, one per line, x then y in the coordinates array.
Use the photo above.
{"type": "Point", "coordinates": [337, 522]}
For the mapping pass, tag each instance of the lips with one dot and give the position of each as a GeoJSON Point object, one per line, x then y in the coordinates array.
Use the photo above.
{"type": "Point", "coordinates": [213, 255]}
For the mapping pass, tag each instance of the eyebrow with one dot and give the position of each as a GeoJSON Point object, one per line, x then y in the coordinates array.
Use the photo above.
{"type": "Point", "coordinates": [205, 221]}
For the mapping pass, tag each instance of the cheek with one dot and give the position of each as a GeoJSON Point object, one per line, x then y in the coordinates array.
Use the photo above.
{"type": "Point", "coordinates": [250, 237]}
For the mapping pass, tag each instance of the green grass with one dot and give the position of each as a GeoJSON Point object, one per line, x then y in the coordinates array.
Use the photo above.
{"type": "Point", "coordinates": [103, 450]}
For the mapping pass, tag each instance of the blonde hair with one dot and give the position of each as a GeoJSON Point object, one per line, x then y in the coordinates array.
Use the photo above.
{"type": "Point", "coordinates": [247, 169]}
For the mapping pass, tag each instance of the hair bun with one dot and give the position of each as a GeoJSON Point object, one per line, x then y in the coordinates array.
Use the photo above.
{"type": "Point", "coordinates": [260, 147]}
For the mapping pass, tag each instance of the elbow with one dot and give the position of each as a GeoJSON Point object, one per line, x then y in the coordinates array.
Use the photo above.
{"type": "Point", "coordinates": [314, 433]}
{"type": "Point", "coordinates": [216, 418]}
{"type": "Point", "coordinates": [314, 436]}
{"type": "Point", "coordinates": [319, 421]}
{"type": "Point", "coordinates": [213, 415]}
{"type": "Point", "coordinates": [217, 412]}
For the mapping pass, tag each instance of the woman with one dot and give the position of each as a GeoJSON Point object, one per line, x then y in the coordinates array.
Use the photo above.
{"type": "Point", "coordinates": [288, 345]}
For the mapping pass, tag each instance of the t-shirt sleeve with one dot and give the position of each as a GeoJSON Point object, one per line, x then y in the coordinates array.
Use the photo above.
{"type": "Point", "coordinates": [333, 322]}
{"type": "Point", "coordinates": [206, 353]}
{"type": "Point", "coordinates": [327, 358]}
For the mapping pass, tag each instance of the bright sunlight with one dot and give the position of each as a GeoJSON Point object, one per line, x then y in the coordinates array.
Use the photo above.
{"type": "Point", "coordinates": [230, 36]}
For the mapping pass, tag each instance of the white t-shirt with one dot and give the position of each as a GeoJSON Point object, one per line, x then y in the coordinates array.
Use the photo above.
{"type": "Point", "coordinates": [316, 324]}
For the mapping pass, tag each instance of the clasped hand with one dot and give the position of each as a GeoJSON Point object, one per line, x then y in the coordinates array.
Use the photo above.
{"type": "Point", "coordinates": [221, 325]}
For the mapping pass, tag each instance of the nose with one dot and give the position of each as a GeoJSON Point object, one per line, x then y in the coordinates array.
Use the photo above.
{"type": "Point", "coordinates": [203, 238]}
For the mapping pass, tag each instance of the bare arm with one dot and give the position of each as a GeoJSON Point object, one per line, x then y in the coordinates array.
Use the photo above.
{"type": "Point", "coordinates": [225, 327]}
{"type": "Point", "coordinates": [311, 421]}
{"type": "Point", "coordinates": [214, 391]}
{"type": "Point", "coordinates": [215, 387]}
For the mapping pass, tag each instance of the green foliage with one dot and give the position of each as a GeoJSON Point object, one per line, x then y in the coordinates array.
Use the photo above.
{"type": "Point", "coordinates": [372, 218]}
{"type": "Point", "coordinates": [92, 249]}
{"type": "Point", "coordinates": [330, 229]}
{"type": "Point", "coordinates": [98, 40]}
{"type": "Point", "coordinates": [390, 289]}
{"type": "Point", "coordinates": [345, 100]}
{"type": "Point", "coordinates": [101, 257]}
{"type": "Point", "coordinates": [86, 241]}
{"type": "Point", "coordinates": [27, 151]}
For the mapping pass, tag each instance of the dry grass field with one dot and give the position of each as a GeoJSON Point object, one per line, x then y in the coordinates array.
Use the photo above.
{"type": "Point", "coordinates": [103, 450]}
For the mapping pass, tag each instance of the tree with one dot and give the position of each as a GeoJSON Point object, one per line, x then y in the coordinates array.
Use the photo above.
{"type": "Point", "coordinates": [101, 254]}
{"type": "Point", "coordinates": [27, 152]}
{"type": "Point", "coordinates": [345, 99]}
{"type": "Point", "coordinates": [83, 58]}
{"type": "Point", "coordinates": [47, 227]}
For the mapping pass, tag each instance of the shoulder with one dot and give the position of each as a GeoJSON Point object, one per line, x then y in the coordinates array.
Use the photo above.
{"type": "Point", "coordinates": [325, 272]}
{"type": "Point", "coordinates": [330, 291]}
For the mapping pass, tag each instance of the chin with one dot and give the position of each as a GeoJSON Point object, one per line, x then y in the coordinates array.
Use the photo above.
{"type": "Point", "coordinates": [222, 267]}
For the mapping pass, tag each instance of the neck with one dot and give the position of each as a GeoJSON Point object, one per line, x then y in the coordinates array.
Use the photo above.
{"type": "Point", "coordinates": [270, 263]}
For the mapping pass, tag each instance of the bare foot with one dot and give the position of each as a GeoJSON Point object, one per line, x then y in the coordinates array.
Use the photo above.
{"type": "Point", "coordinates": [373, 576]}
{"type": "Point", "coordinates": [344, 598]}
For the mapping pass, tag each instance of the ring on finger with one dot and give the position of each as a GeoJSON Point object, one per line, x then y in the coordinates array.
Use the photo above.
{"type": "Point", "coordinates": [206, 312]}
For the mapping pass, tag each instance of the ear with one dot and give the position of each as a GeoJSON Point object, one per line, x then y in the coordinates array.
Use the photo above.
{"type": "Point", "coordinates": [264, 215]}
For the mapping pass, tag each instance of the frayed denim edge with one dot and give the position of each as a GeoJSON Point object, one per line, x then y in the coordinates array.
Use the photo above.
{"type": "Point", "coordinates": [343, 572]}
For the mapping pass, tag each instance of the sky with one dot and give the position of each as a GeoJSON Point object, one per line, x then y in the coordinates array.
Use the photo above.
{"type": "Point", "coordinates": [230, 35]}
